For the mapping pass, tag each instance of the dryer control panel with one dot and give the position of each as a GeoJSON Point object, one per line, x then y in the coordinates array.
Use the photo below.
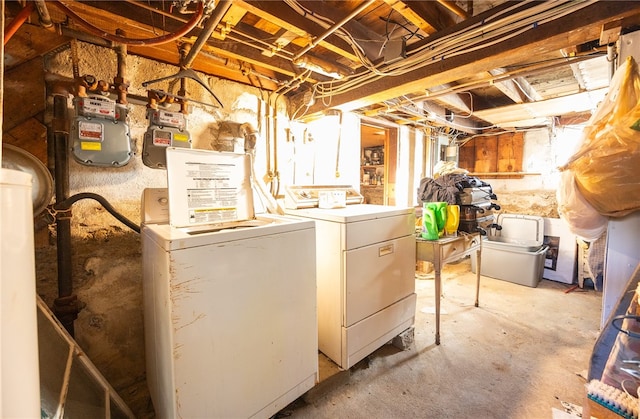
{"type": "Point", "coordinates": [310, 196]}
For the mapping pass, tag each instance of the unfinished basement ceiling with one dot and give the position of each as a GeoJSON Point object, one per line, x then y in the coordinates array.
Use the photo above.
{"type": "Point", "coordinates": [470, 65]}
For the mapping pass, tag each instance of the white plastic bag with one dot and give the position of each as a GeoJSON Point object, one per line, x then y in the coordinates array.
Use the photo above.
{"type": "Point", "coordinates": [583, 220]}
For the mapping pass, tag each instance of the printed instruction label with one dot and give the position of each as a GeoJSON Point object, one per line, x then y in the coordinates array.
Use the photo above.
{"type": "Point", "coordinates": [212, 191]}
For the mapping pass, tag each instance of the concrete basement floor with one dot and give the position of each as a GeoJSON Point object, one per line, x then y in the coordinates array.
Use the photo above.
{"type": "Point", "coordinates": [522, 353]}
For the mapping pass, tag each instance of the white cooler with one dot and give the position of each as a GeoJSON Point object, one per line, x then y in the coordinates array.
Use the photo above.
{"type": "Point", "coordinates": [516, 253]}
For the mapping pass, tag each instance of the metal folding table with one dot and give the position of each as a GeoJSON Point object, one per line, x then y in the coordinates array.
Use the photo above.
{"type": "Point", "coordinates": [446, 250]}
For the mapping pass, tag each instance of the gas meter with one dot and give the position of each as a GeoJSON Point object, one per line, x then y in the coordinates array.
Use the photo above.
{"type": "Point", "coordinates": [166, 129]}
{"type": "Point", "coordinates": [99, 133]}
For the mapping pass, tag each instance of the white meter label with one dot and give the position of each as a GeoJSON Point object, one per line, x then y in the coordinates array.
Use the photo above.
{"type": "Point", "coordinates": [105, 108]}
{"type": "Point", "coordinates": [90, 131]}
{"type": "Point", "coordinates": [161, 138]}
{"type": "Point", "coordinates": [172, 119]}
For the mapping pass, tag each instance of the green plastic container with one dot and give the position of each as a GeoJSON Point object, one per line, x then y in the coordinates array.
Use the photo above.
{"type": "Point", "coordinates": [429, 224]}
{"type": "Point", "coordinates": [440, 211]}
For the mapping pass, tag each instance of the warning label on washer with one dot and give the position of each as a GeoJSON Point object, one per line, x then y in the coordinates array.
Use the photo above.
{"type": "Point", "coordinates": [207, 187]}
{"type": "Point", "coordinates": [212, 192]}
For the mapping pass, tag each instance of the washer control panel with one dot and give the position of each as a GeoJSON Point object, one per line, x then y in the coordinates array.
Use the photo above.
{"type": "Point", "coordinates": [155, 206]}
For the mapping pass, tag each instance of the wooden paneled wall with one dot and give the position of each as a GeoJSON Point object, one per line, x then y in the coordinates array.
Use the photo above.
{"type": "Point", "coordinates": [494, 156]}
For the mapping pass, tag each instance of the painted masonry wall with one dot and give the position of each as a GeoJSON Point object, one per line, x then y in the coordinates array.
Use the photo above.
{"type": "Point", "coordinates": [535, 193]}
{"type": "Point", "coordinates": [544, 151]}
{"type": "Point", "coordinates": [107, 255]}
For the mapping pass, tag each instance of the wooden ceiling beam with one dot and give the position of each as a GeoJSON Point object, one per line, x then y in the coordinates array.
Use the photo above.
{"type": "Point", "coordinates": [572, 29]}
{"type": "Point", "coordinates": [426, 15]}
{"type": "Point", "coordinates": [369, 40]}
{"type": "Point", "coordinates": [508, 87]}
{"type": "Point", "coordinates": [403, 8]}
{"type": "Point", "coordinates": [452, 6]}
{"type": "Point", "coordinates": [282, 15]}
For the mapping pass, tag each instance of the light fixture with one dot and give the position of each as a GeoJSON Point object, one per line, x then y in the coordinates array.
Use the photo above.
{"type": "Point", "coordinates": [319, 66]}
{"type": "Point", "coordinates": [449, 115]}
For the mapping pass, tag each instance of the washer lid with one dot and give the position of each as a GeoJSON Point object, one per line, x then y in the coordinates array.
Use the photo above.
{"type": "Point", "coordinates": [208, 187]}
{"type": "Point", "coordinates": [529, 228]}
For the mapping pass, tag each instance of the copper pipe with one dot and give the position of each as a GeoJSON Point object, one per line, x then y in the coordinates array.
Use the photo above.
{"type": "Point", "coordinates": [120, 84]}
{"type": "Point", "coordinates": [193, 22]}
{"type": "Point", "coordinates": [15, 24]}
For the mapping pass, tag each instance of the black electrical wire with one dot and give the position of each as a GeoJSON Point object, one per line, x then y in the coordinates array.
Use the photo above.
{"type": "Point", "coordinates": [67, 203]}
{"type": "Point", "coordinates": [619, 328]}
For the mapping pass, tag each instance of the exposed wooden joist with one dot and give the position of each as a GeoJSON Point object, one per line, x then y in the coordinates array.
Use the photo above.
{"type": "Point", "coordinates": [369, 40]}
{"type": "Point", "coordinates": [402, 8]}
{"type": "Point", "coordinates": [451, 5]}
{"type": "Point", "coordinates": [507, 116]}
{"type": "Point", "coordinates": [283, 16]}
{"type": "Point", "coordinates": [425, 15]}
{"type": "Point", "coordinates": [227, 61]}
{"type": "Point", "coordinates": [574, 28]}
{"type": "Point", "coordinates": [457, 102]}
{"type": "Point", "coordinates": [508, 87]}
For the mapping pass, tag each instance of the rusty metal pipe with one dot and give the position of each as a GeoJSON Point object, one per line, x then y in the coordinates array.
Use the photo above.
{"type": "Point", "coordinates": [66, 305]}
{"type": "Point", "coordinates": [15, 24]}
{"type": "Point", "coordinates": [332, 29]}
{"type": "Point", "coordinates": [120, 83]}
{"type": "Point", "coordinates": [43, 12]}
{"type": "Point", "coordinates": [209, 27]}
{"type": "Point", "coordinates": [121, 53]}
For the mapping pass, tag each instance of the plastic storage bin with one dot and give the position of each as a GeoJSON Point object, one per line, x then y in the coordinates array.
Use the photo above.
{"type": "Point", "coordinates": [516, 253]}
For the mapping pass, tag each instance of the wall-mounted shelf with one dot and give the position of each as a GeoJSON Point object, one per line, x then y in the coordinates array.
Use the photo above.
{"type": "Point", "coordinates": [503, 175]}
{"type": "Point", "coordinates": [373, 156]}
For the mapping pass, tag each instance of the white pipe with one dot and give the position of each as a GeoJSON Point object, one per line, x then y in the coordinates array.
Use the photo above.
{"type": "Point", "coordinates": [250, 135]}
{"type": "Point", "coordinates": [502, 26]}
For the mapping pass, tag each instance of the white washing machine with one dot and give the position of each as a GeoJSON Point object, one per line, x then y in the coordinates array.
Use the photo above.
{"type": "Point", "coordinates": [230, 306]}
{"type": "Point", "coordinates": [366, 258]}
